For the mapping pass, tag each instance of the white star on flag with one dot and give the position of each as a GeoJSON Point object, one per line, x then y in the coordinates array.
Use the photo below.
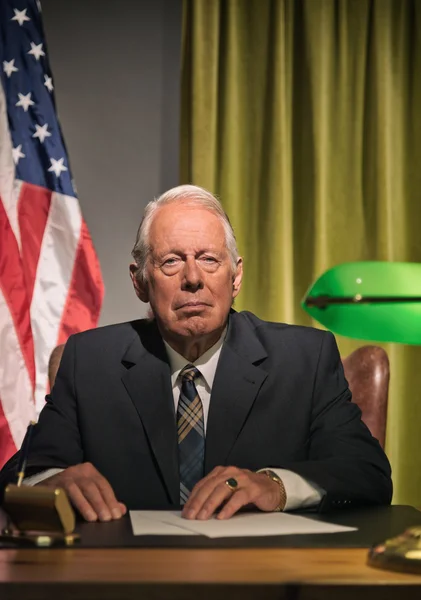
{"type": "Point", "coordinates": [25, 101]}
{"type": "Point", "coordinates": [41, 132]}
{"type": "Point", "coordinates": [48, 82]}
{"type": "Point", "coordinates": [20, 16]}
{"type": "Point", "coordinates": [17, 154]}
{"type": "Point", "coordinates": [57, 166]}
{"type": "Point", "coordinates": [9, 67]}
{"type": "Point", "coordinates": [36, 51]}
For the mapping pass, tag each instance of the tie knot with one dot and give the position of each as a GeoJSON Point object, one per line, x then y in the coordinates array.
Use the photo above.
{"type": "Point", "coordinates": [189, 373]}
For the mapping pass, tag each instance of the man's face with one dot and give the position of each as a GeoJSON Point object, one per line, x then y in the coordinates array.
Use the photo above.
{"type": "Point", "coordinates": [189, 280]}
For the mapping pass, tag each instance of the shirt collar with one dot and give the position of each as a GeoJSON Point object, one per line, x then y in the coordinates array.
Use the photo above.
{"type": "Point", "coordinates": [206, 363]}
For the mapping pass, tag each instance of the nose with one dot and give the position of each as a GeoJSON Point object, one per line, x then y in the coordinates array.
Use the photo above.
{"type": "Point", "coordinates": [192, 279]}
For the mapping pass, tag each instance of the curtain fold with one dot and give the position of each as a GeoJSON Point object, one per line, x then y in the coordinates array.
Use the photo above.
{"type": "Point", "coordinates": [304, 116]}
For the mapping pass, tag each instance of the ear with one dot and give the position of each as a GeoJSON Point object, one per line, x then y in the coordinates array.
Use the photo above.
{"type": "Point", "coordinates": [238, 278]}
{"type": "Point", "coordinates": [141, 288]}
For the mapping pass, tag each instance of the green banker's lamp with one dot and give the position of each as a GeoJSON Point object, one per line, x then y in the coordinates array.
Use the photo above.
{"type": "Point", "coordinates": [377, 301]}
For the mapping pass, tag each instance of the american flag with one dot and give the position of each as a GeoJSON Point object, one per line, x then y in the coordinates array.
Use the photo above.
{"type": "Point", "coordinates": [50, 280]}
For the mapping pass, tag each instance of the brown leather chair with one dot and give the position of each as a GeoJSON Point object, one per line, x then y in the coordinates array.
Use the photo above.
{"type": "Point", "coordinates": [54, 363]}
{"type": "Point", "coordinates": [367, 372]}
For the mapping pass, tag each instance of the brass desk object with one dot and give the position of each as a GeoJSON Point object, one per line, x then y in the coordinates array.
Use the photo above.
{"type": "Point", "coordinates": [39, 515]}
{"type": "Point", "coordinates": [401, 553]}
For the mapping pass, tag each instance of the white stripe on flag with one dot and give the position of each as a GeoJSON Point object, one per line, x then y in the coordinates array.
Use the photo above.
{"type": "Point", "coordinates": [54, 272]}
{"type": "Point", "coordinates": [9, 188]}
{"type": "Point", "coordinates": [15, 385]}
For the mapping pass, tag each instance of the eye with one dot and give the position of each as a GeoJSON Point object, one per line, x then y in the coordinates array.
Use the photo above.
{"type": "Point", "coordinates": [170, 265]}
{"type": "Point", "coordinates": [210, 263]}
{"type": "Point", "coordinates": [170, 261]}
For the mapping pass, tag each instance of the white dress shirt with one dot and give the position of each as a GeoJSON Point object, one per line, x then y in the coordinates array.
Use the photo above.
{"type": "Point", "coordinates": [299, 492]}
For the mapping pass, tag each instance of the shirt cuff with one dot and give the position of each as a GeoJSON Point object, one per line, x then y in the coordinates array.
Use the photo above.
{"type": "Point", "coordinates": [38, 477]}
{"type": "Point", "coordinates": [300, 492]}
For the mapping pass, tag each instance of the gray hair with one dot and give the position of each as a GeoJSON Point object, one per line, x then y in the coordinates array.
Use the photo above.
{"type": "Point", "coordinates": [188, 194]}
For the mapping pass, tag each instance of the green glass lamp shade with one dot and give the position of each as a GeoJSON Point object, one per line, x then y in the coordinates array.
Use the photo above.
{"type": "Point", "coordinates": [373, 300]}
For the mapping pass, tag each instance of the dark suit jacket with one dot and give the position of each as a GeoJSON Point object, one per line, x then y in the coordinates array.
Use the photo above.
{"type": "Point", "coordinates": [279, 399]}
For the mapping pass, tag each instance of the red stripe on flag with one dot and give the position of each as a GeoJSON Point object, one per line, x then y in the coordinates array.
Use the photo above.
{"type": "Point", "coordinates": [7, 445]}
{"type": "Point", "coordinates": [12, 284]}
{"type": "Point", "coordinates": [86, 290]}
{"type": "Point", "coordinates": [33, 208]}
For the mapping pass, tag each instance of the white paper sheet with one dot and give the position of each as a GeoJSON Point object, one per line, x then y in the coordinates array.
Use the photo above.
{"type": "Point", "coordinates": [143, 523]}
{"type": "Point", "coordinates": [250, 524]}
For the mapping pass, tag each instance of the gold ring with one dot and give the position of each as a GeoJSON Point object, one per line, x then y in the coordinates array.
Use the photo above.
{"type": "Point", "coordinates": [232, 484]}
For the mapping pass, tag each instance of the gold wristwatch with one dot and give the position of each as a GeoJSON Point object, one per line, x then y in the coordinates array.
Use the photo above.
{"type": "Point", "coordinates": [282, 493]}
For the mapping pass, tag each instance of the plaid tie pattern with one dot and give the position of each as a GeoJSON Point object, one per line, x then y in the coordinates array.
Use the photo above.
{"type": "Point", "coordinates": [191, 433]}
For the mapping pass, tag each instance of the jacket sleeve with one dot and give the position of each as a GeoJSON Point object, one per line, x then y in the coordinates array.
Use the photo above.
{"type": "Point", "coordinates": [56, 439]}
{"type": "Point", "coordinates": [344, 459]}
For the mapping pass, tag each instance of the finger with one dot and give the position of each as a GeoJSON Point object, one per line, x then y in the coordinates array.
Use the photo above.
{"type": "Point", "coordinates": [237, 501]}
{"type": "Point", "coordinates": [205, 480]}
{"type": "Point", "coordinates": [108, 496]}
{"type": "Point", "coordinates": [79, 501]}
{"type": "Point", "coordinates": [210, 481]}
{"type": "Point", "coordinates": [93, 495]}
{"type": "Point", "coordinates": [217, 475]}
{"type": "Point", "coordinates": [214, 473]}
{"type": "Point", "coordinates": [217, 498]}
{"type": "Point", "coordinates": [208, 498]}
{"type": "Point", "coordinates": [123, 508]}
{"type": "Point", "coordinates": [198, 497]}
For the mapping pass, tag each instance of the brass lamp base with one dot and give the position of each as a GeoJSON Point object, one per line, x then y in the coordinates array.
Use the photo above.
{"type": "Point", "coordinates": [39, 516]}
{"type": "Point", "coordinates": [37, 538]}
{"type": "Point", "coordinates": [401, 553]}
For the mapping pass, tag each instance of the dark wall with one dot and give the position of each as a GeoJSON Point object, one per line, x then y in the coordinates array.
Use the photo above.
{"type": "Point", "coordinates": [116, 69]}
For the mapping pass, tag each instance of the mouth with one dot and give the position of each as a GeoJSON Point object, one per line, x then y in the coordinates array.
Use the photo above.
{"type": "Point", "coordinates": [193, 305]}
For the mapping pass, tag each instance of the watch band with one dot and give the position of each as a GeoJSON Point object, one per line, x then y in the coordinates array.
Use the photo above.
{"type": "Point", "coordinates": [282, 492]}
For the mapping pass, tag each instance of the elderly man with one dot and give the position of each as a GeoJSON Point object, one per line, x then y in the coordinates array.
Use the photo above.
{"type": "Point", "coordinates": [200, 405]}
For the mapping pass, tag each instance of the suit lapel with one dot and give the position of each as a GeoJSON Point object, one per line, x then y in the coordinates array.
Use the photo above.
{"type": "Point", "coordinates": [148, 382]}
{"type": "Point", "coordinates": [236, 385]}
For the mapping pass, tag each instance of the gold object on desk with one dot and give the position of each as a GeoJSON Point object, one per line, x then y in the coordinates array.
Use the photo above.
{"type": "Point", "coordinates": [40, 515]}
{"type": "Point", "coordinates": [401, 553]}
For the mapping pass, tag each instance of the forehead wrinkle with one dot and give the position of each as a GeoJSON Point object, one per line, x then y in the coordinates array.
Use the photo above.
{"type": "Point", "coordinates": [195, 246]}
{"type": "Point", "coordinates": [185, 252]}
{"type": "Point", "coordinates": [186, 235]}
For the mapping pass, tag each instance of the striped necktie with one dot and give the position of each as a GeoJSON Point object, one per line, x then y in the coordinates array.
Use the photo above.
{"type": "Point", "coordinates": [191, 433]}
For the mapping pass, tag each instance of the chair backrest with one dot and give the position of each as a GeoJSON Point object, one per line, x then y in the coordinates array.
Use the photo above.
{"type": "Point", "coordinates": [54, 363]}
{"type": "Point", "coordinates": [367, 372]}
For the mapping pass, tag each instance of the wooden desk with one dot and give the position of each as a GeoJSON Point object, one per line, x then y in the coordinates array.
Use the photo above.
{"type": "Point", "coordinates": [126, 574]}
{"type": "Point", "coordinates": [107, 567]}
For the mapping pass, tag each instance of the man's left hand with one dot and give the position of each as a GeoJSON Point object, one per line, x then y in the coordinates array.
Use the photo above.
{"type": "Point", "coordinates": [212, 492]}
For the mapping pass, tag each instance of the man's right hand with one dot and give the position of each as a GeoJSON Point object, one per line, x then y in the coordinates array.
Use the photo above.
{"type": "Point", "coordinates": [89, 492]}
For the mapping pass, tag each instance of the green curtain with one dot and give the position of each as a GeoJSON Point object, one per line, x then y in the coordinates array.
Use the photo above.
{"type": "Point", "coordinates": [304, 116]}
